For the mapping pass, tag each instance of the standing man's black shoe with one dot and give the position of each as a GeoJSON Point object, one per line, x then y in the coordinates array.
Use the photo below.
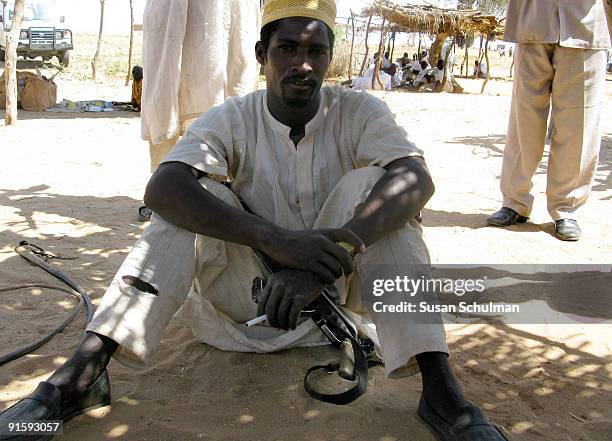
{"type": "Point", "coordinates": [506, 217]}
{"type": "Point", "coordinates": [567, 229]}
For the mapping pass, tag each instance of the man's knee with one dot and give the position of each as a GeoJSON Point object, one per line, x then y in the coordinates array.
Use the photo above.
{"type": "Point", "coordinates": [220, 191]}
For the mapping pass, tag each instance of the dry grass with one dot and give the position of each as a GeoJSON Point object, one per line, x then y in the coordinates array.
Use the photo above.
{"type": "Point", "coordinates": [340, 61]}
{"type": "Point", "coordinates": [113, 59]}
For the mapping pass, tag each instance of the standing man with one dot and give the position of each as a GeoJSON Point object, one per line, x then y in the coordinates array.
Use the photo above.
{"type": "Point", "coordinates": [196, 54]}
{"type": "Point", "coordinates": [560, 58]}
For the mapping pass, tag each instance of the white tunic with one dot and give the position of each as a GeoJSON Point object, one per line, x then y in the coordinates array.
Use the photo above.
{"type": "Point", "coordinates": [281, 183]}
{"type": "Point", "coordinates": [196, 53]}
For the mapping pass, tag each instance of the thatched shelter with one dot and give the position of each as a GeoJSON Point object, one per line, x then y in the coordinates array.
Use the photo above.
{"type": "Point", "coordinates": [441, 22]}
{"type": "Point", "coordinates": [433, 20]}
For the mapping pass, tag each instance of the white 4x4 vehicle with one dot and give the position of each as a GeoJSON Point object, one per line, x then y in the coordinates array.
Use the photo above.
{"type": "Point", "coordinates": [43, 32]}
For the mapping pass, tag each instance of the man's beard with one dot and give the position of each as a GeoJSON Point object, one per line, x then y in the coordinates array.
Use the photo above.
{"type": "Point", "coordinates": [298, 100]}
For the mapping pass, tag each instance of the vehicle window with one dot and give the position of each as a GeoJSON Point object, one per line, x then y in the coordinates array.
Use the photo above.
{"type": "Point", "coordinates": [36, 12]}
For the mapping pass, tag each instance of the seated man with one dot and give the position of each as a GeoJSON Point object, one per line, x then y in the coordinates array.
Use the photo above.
{"type": "Point", "coordinates": [386, 62]}
{"type": "Point", "coordinates": [425, 76]}
{"type": "Point", "coordinates": [137, 76]}
{"type": "Point", "coordinates": [480, 69]}
{"type": "Point", "coordinates": [404, 61]}
{"type": "Point", "coordinates": [315, 166]}
{"type": "Point", "coordinates": [367, 81]}
{"type": "Point", "coordinates": [415, 64]}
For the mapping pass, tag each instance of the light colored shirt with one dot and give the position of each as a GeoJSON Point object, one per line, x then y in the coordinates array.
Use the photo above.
{"type": "Point", "coordinates": [420, 79]}
{"type": "Point", "coordinates": [451, 56]}
{"type": "Point", "coordinates": [195, 55]}
{"type": "Point", "coordinates": [365, 82]}
{"type": "Point", "coordinates": [281, 183]}
{"type": "Point", "coordinates": [571, 23]}
{"type": "Point", "coordinates": [438, 74]}
{"type": "Point", "coordinates": [483, 68]}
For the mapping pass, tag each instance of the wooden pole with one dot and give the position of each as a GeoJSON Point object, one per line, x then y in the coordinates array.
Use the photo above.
{"type": "Point", "coordinates": [419, 49]}
{"type": "Point", "coordinates": [350, 74]}
{"type": "Point", "coordinates": [512, 65]}
{"type": "Point", "coordinates": [392, 47]}
{"type": "Point", "coordinates": [446, 58]}
{"type": "Point", "coordinates": [129, 71]}
{"type": "Point", "coordinates": [467, 61]}
{"type": "Point", "coordinates": [94, 62]}
{"type": "Point", "coordinates": [381, 46]}
{"type": "Point", "coordinates": [367, 49]}
{"type": "Point", "coordinates": [10, 64]}
{"type": "Point", "coordinates": [486, 55]}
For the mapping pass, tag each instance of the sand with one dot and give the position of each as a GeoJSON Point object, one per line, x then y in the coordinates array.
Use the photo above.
{"type": "Point", "coordinates": [72, 184]}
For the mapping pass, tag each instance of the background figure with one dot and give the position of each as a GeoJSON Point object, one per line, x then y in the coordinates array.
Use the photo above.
{"type": "Point", "coordinates": [137, 76]}
{"type": "Point", "coordinates": [196, 54]}
{"type": "Point", "coordinates": [560, 57]}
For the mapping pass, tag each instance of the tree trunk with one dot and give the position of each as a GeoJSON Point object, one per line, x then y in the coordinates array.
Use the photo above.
{"type": "Point", "coordinates": [486, 56]}
{"type": "Point", "coordinates": [436, 48]}
{"type": "Point", "coordinates": [446, 67]}
{"type": "Point", "coordinates": [94, 62]}
{"type": "Point", "coordinates": [10, 64]}
{"type": "Point", "coordinates": [350, 74]}
{"type": "Point", "coordinates": [467, 61]}
{"type": "Point", "coordinates": [129, 71]}
{"type": "Point", "coordinates": [367, 49]}
{"type": "Point", "coordinates": [381, 46]}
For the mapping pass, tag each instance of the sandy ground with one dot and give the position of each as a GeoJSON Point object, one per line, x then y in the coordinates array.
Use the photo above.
{"type": "Point", "coordinates": [72, 184]}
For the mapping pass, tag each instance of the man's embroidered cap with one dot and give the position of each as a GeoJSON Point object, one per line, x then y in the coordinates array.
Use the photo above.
{"type": "Point", "coordinates": [324, 10]}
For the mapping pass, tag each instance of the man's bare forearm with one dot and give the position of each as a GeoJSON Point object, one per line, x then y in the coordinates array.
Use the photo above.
{"type": "Point", "coordinates": [395, 199]}
{"type": "Point", "coordinates": [175, 194]}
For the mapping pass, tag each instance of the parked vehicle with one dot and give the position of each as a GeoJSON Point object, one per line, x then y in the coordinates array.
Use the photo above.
{"type": "Point", "coordinates": [43, 32]}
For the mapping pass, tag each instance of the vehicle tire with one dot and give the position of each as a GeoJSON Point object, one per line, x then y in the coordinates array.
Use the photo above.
{"type": "Point", "coordinates": [1, 54]}
{"type": "Point", "coordinates": [64, 59]}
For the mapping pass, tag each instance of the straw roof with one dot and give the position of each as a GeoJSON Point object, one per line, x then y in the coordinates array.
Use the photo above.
{"type": "Point", "coordinates": [433, 20]}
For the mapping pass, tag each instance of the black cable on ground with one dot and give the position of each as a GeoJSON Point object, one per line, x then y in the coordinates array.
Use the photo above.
{"type": "Point", "coordinates": [26, 251]}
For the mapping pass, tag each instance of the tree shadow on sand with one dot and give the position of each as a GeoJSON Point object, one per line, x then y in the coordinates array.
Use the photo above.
{"type": "Point", "coordinates": [492, 146]}
{"type": "Point", "coordinates": [96, 232]}
{"type": "Point", "coordinates": [521, 380]}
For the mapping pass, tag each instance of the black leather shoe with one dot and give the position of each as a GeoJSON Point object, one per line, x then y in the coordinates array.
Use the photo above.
{"type": "Point", "coordinates": [506, 217]}
{"type": "Point", "coordinates": [567, 229]}
{"type": "Point", "coordinates": [46, 404]}
{"type": "Point", "coordinates": [466, 424]}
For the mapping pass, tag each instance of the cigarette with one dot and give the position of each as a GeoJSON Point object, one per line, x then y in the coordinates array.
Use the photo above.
{"type": "Point", "coordinates": [256, 321]}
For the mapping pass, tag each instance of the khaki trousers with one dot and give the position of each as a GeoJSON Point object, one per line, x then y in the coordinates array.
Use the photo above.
{"type": "Point", "coordinates": [210, 281]}
{"type": "Point", "coordinates": [574, 80]}
{"type": "Point", "coordinates": [157, 152]}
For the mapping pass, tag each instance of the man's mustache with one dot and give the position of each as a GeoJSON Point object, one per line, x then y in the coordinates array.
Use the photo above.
{"type": "Point", "coordinates": [309, 81]}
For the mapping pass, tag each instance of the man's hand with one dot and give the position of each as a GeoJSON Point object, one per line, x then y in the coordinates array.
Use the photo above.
{"type": "Point", "coordinates": [285, 295]}
{"type": "Point", "coordinates": [315, 251]}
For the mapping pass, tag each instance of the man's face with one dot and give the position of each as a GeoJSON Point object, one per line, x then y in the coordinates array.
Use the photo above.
{"type": "Point", "coordinates": [297, 60]}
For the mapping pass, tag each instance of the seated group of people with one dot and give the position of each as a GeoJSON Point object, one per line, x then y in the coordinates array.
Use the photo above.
{"type": "Point", "coordinates": [416, 73]}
